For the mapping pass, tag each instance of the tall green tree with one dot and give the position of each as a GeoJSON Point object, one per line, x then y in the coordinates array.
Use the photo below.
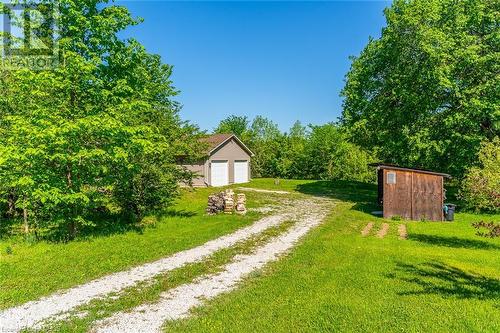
{"type": "Point", "coordinates": [99, 133]}
{"type": "Point", "coordinates": [238, 125]}
{"type": "Point", "coordinates": [291, 157]}
{"type": "Point", "coordinates": [265, 138]}
{"type": "Point", "coordinates": [426, 93]}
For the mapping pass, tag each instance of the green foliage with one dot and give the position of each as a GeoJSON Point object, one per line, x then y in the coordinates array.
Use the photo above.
{"type": "Point", "coordinates": [237, 125]}
{"type": "Point", "coordinates": [314, 152]}
{"type": "Point", "coordinates": [329, 155]}
{"type": "Point", "coordinates": [266, 142]}
{"type": "Point", "coordinates": [481, 185]}
{"type": "Point", "coordinates": [97, 135]}
{"type": "Point", "coordinates": [426, 93]}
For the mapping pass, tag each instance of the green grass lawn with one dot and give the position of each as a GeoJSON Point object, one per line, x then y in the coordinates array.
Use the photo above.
{"type": "Point", "coordinates": [444, 278]}
{"type": "Point", "coordinates": [34, 270]}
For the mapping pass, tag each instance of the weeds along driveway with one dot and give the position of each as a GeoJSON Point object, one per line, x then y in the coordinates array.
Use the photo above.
{"type": "Point", "coordinates": [32, 313]}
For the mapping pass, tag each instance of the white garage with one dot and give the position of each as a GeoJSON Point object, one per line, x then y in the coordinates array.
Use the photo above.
{"type": "Point", "coordinates": [241, 172]}
{"type": "Point", "coordinates": [227, 161]}
{"type": "Point", "coordinates": [219, 173]}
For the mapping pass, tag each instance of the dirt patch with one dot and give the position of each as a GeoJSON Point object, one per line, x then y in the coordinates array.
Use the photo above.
{"type": "Point", "coordinates": [403, 234]}
{"type": "Point", "coordinates": [366, 230]}
{"type": "Point", "coordinates": [383, 230]}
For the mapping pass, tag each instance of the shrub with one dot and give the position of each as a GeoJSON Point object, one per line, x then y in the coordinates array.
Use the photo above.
{"type": "Point", "coordinates": [493, 229]}
{"type": "Point", "coordinates": [481, 185]}
{"type": "Point", "coordinates": [328, 154]}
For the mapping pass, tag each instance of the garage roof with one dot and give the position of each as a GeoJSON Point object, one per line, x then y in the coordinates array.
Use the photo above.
{"type": "Point", "coordinates": [214, 141]}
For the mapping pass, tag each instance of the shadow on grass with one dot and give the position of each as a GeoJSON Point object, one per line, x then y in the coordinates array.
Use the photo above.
{"type": "Point", "coordinates": [363, 195]}
{"type": "Point", "coordinates": [103, 225]}
{"type": "Point", "coordinates": [455, 242]}
{"type": "Point", "coordinates": [110, 225]}
{"type": "Point", "coordinates": [7, 226]}
{"type": "Point", "coordinates": [448, 281]}
{"type": "Point", "coordinates": [176, 213]}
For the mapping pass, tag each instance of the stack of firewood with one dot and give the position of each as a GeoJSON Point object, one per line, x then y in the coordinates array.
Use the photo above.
{"type": "Point", "coordinates": [215, 203]}
{"type": "Point", "coordinates": [228, 201]}
{"type": "Point", "coordinates": [241, 204]}
{"type": "Point", "coordinates": [224, 202]}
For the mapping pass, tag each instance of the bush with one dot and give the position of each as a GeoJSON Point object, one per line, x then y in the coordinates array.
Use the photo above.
{"type": "Point", "coordinates": [493, 229]}
{"type": "Point", "coordinates": [329, 155]}
{"type": "Point", "coordinates": [481, 185]}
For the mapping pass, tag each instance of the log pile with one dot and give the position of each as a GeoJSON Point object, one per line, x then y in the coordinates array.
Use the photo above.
{"type": "Point", "coordinates": [241, 204]}
{"type": "Point", "coordinates": [225, 202]}
{"type": "Point", "coordinates": [215, 203]}
{"type": "Point", "coordinates": [228, 201]}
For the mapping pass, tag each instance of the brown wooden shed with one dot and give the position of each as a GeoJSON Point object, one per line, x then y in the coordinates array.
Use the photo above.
{"type": "Point", "coordinates": [413, 194]}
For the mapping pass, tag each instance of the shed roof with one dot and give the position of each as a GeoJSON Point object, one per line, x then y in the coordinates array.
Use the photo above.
{"type": "Point", "coordinates": [395, 167]}
{"type": "Point", "coordinates": [215, 141]}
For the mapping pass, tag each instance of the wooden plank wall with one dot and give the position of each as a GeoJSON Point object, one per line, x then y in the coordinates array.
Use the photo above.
{"type": "Point", "coordinates": [415, 196]}
{"type": "Point", "coordinates": [427, 200]}
{"type": "Point", "coordinates": [397, 197]}
{"type": "Point", "coordinates": [380, 186]}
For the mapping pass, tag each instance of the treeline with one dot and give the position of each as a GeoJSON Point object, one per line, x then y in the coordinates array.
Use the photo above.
{"type": "Point", "coordinates": [93, 141]}
{"type": "Point", "coordinates": [304, 152]}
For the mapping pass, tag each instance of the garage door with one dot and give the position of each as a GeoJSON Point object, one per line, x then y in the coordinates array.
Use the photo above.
{"type": "Point", "coordinates": [240, 171]}
{"type": "Point", "coordinates": [220, 173]}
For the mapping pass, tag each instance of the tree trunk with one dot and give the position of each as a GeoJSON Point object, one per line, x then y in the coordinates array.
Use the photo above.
{"type": "Point", "coordinates": [11, 202]}
{"type": "Point", "coordinates": [69, 177]}
{"type": "Point", "coordinates": [25, 217]}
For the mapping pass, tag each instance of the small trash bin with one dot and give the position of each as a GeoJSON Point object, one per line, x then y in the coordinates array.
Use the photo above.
{"type": "Point", "coordinates": [449, 212]}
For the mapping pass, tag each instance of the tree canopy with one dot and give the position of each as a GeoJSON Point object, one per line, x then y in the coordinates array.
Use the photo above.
{"type": "Point", "coordinates": [426, 93]}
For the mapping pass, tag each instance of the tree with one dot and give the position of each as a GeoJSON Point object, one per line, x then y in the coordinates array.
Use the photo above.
{"type": "Point", "coordinates": [329, 155]}
{"type": "Point", "coordinates": [298, 131]}
{"type": "Point", "coordinates": [317, 152]}
{"type": "Point", "coordinates": [237, 125]}
{"type": "Point", "coordinates": [98, 134]}
{"type": "Point", "coordinates": [264, 129]}
{"type": "Point", "coordinates": [481, 186]}
{"type": "Point", "coordinates": [265, 137]}
{"type": "Point", "coordinates": [292, 152]}
{"type": "Point", "coordinates": [426, 93]}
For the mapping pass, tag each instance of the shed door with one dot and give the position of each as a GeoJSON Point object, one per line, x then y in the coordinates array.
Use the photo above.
{"type": "Point", "coordinates": [240, 171]}
{"type": "Point", "coordinates": [219, 173]}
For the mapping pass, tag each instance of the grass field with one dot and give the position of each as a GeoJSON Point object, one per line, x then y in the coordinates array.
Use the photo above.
{"type": "Point", "coordinates": [443, 278]}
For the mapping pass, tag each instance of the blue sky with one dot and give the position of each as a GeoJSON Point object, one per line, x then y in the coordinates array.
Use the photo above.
{"type": "Point", "coordinates": [282, 60]}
